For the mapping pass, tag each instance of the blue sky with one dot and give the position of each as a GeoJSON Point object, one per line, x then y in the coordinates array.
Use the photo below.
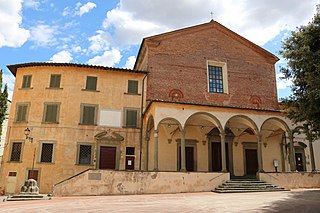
{"type": "Point", "coordinates": [109, 32]}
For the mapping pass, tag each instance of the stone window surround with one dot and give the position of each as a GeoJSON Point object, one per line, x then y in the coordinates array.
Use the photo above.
{"type": "Point", "coordinates": [53, 151]}
{"type": "Point", "coordinates": [21, 152]}
{"type": "Point", "coordinates": [16, 111]}
{"type": "Point", "coordinates": [224, 75]}
{"type": "Point", "coordinates": [96, 106]}
{"type": "Point", "coordinates": [45, 112]}
{"type": "Point", "coordinates": [78, 153]}
{"type": "Point", "coordinates": [125, 117]}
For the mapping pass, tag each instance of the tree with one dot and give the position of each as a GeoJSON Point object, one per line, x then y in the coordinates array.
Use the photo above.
{"type": "Point", "coordinates": [3, 102]}
{"type": "Point", "coordinates": [302, 52]}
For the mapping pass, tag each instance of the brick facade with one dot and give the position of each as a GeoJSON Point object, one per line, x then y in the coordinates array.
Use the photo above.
{"type": "Point", "coordinates": [177, 61]}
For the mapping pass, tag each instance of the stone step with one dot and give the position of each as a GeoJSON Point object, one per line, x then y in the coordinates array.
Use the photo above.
{"type": "Point", "coordinates": [248, 190]}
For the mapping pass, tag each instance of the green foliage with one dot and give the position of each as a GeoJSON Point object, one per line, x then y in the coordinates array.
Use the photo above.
{"type": "Point", "coordinates": [3, 102]}
{"type": "Point", "coordinates": [302, 51]}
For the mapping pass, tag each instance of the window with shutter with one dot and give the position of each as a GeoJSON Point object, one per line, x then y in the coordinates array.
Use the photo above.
{"type": "Point", "coordinates": [26, 81]}
{"type": "Point", "coordinates": [131, 117]}
{"type": "Point", "coordinates": [46, 153]}
{"type": "Point", "coordinates": [85, 152]}
{"type": "Point", "coordinates": [88, 114]}
{"type": "Point", "coordinates": [133, 87]}
{"type": "Point", "coordinates": [51, 113]}
{"type": "Point", "coordinates": [21, 113]}
{"type": "Point", "coordinates": [55, 81]}
{"type": "Point", "coordinates": [91, 83]}
{"type": "Point", "coordinates": [16, 151]}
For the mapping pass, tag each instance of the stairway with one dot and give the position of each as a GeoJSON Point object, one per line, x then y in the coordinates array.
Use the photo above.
{"type": "Point", "coordinates": [239, 185]}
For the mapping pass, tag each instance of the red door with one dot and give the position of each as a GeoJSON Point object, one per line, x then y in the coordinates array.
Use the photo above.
{"type": "Point", "coordinates": [33, 174]}
{"type": "Point", "coordinates": [129, 163]}
{"type": "Point", "coordinates": [107, 157]}
{"type": "Point", "coordinates": [251, 161]}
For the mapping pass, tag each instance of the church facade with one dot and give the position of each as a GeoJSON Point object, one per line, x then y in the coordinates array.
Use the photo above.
{"type": "Point", "coordinates": [200, 101]}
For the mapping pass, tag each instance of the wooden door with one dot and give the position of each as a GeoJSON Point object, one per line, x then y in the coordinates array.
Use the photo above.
{"type": "Point", "coordinates": [33, 174]}
{"type": "Point", "coordinates": [107, 157]}
{"type": "Point", "coordinates": [299, 162]}
{"type": "Point", "coordinates": [251, 161]}
{"type": "Point", "coordinates": [129, 162]}
{"type": "Point", "coordinates": [189, 159]}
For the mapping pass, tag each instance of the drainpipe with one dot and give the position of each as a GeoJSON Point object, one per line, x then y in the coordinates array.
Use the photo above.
{"type": "Point", "coordinates": [141, 122]}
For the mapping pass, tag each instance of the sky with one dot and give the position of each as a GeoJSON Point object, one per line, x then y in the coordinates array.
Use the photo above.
{"type": "Point", "coordinates": [109, 32]}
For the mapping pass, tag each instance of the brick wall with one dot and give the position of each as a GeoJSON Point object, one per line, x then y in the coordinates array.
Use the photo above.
{"type": "Point", "coordinates": [179, 61]}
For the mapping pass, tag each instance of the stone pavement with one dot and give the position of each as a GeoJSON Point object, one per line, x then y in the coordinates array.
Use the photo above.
{"type": "Point", "coordinates": [288, 201]}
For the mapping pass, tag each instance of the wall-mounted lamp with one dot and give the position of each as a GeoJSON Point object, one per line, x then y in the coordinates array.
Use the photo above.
{"type": "Point", "coordinates": [169, 125]}
{"type": "Point", "coordinates": [27, 132]}
{"type": "Point", "coordinates": [265, 145]}
{"type": "Point", "coordinates": [204, 142]}
{"type": "Point", "coordinates": [235, 143]}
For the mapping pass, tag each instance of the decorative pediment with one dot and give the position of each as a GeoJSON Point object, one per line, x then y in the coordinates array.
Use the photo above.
{"type": "Point", "coordinates": [108, 136]}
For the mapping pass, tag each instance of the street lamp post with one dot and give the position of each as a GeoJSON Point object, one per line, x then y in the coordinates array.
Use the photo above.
{"type": "Point", "coordinates": [27, 132]}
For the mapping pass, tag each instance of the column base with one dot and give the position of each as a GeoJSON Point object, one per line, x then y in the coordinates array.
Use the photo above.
{"type": "Point", "coordinates": [183, 170]}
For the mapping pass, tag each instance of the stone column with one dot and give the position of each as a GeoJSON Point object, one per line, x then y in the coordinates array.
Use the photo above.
{"type": "Point", "coordinates": [313, 165]}
{"type": "Point", "coordinates": [155, 150]}
{"type": "Point", "coordinates": [292, 154]}
{"type": "Point", "coordinates": [147, 150]}
{"type": "Point", "coordinates": [283, 165]}
{"type": "Point", "coordinates": [183, 152]}
{"type": "Point", "coordinates": [260, 162]}
{"type": "Point", "coordinates": [223, 152]}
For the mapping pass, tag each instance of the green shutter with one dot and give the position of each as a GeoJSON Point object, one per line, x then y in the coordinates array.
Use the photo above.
{"type": "Point", "coordinates": [91, 83]}
{"type": "Point", "coordinates": [22, 113]}
{"type": "Point", "coordinates": [51, 113]}
{"type": "Point", "coordinates": [55, 81]}
{"type": "Point", "coordinates": [132, 87]}
{"type": "Point", "coordinates": [26, 81]}
{"type": "Point", "coordinates": [131, 118]}
{"type": "Point", "coordinates": [88, 116]}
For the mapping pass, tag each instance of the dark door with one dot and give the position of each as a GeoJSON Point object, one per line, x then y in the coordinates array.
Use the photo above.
{"type": "Point", "coordinates": [33, 174]}
{"type": "Point", "coordinates": [129, 163]}
{"type": "Point", "coordinates": [189, 159]}
{"type": "Point", "coordinates": [251, 161]}
{"type": "Point", "coordinates": [107, 157]}
{"type": "Point", "coordinates": [216, 165]}
{"type": "Point", "coordinates": [299, 162]}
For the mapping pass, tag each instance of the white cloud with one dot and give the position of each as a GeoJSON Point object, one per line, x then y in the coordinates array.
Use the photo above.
{"type": "Point", "coordinates": [62, 56]}
{"type": "Point", "coordinates": [44, 35]}
{"type": "Point", "coordinates": [66, 11]}
{"type": "Point", "coordinates": [283, 83]}
{"type": "Point", "coordinates": [11, 34]}
{"type": "Point", "coordinates": [109, 58]}
{"type": "Point", "coordinates": [259, 21]}
{"type": "Point", "coordinates": [86, 8]}
{"type": "Point", "coordinates": [130, 62]}
{"type": "Point", "coordinates": [34, 4]}
{"type": "Point", "coordinates": [99, 42]}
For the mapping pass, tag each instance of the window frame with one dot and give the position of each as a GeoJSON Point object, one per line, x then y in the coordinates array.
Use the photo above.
{"type": "Point", "coordinates": [125, 117]}
{"type": "Point", "coordinates": [54, 86]}
{"type": "Point", "coordinates": [23, 83]}
{"type": "Point", "coordinates": [223, 66]}
{"type": "Point", "coordinates": [96, 84]}
{"type": "Point", "coordinates": [128, 87]}
{"type": "Point", "coordinates": [53, 151]}
{"type": "Point", "coordinates": [21, 152]}
{"type": "Point", "coordinates": [96, 108]}
{"type": "Point", "coordinates": [18, 104]}
{"type": "Point", "coordinates": [45, 112]}
{"type": "Point", "coordinates": [78, 153]}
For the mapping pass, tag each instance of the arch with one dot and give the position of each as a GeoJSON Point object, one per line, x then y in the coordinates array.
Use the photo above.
{"type": "Point", "coordinates": [283, 123]}
{"type": "Point", "coordinates": [244, 118]}
{"type": "Point", "coordinates": [150, 119]}
{"type": "Point", "coordinates": [170, 119]}
{"type": "Point", "coordinates": [212, 119]}
{"type": "Point", "coordinates": [297, 129]}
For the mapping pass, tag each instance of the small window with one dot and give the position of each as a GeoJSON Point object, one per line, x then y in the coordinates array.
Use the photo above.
{"type": "Point", "coordinates": [85, 153]}
{"type": "Point", "coordinates": [88, 114]}
{"type": "Point", "coordinates": [132, 87]}
{"type": "Point", "coordinates": [26, 81]}
{"type": "Point", "coordinates": [129, 150]}
{"type": "Point", "coordinates": [55, 81]}
{"type": "Point", "coordinates": [21, 113]}
{"type": "Point", "coordinates": [91, 83]}
{"type": "Point", "coordinates": [131, 119]}
{"type": "Point", "coordinates": [16, 151]}
{"type": "Point", "coordinates": [51, 112]}
{"type": "Point", "coordinates": [12, 174]}
{"type": "Point", "coordinates": [215, 79]}
{"type": "Point", "coordinates": [47, 153]}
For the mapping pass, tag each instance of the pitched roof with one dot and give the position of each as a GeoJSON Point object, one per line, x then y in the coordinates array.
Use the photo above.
{"type": "Point", "coordinates": [13, 68]}
{"type": "Point", "coordinates": [208, 25]}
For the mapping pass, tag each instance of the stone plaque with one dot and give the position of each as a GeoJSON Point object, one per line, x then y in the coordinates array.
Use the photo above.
{"type": "Point", "coordinates": [94, 176]}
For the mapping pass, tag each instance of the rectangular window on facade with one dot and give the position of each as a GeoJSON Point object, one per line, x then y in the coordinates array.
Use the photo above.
{"type": "Point", "coordinates": [88, 114]}
{"type": "Point", "coordinates": [131, 119]}
{"type": "Point", "coordinates": [51, 112]}
{"type": "Point", "coordinates": [129, 150]}
{"type": "Point", "coordinates": [26, 81]}
{"type": "Point", "coordinates": [21, 113]}
{"type": "Point", "coordinates": [47, 153]}
{"type": "Point", "coordinates": [133, 87]}
{"type": "Point", "coordinates": [55, 81]}
{"type": "Point", "coordinates": [85, 152]}
{"type": "Point", "coordinates": [91, 83]}
{"type": "Point", "coordinates": [16, 149]}
{"type": "Point", "coordinates": [215, 79]}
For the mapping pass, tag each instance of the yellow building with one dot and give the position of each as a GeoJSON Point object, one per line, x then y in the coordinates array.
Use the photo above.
{"type": "Point", "coordinates": [67, 118]}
